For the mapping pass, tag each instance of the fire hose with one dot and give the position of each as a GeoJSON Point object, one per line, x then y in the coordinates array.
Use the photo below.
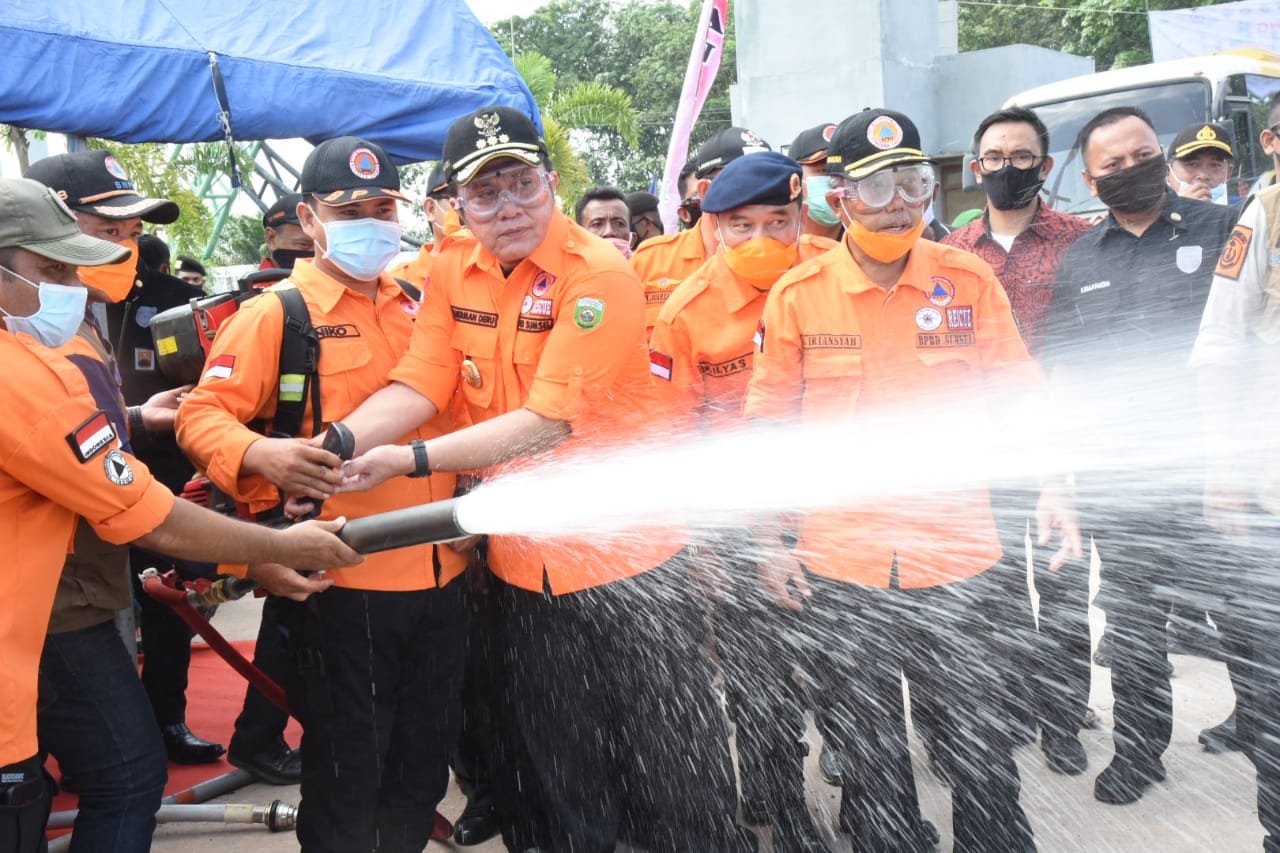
{"type": "Point", "coordinates": [401, 528]}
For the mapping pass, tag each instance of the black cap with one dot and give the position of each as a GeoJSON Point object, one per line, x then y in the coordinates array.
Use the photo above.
{"type": "Point", "coordinates": [349, 169]}
{"type": "Point", "coordinates": [283, 212]}
{"type": "Point", "coordinates": [766, 178]}
{"type": "Point", "coordinates": [868, 141]}
{"type": "Point", "coordinates": [95, 182]}
{"type": "Point", "coordinates": [1201, 137]}
{"type": "Point", "coordinates": [642, 202]}
{"type": "Point", "coordinates": [487, 134]}
{"type": "Point", "coordinates": [725, 147]}
{"type": "Point", "coordinates": [810, 146]}
{"type": "Point", "coordinates": [438, 181]}
{"type": "Point", "coordinates": [186, 263]}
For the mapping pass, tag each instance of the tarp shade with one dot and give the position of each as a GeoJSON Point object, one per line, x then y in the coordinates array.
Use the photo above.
{"type": "Point", "coordinates": [393, 71]}
{"type": "Point", "coordinates": [1191, 32]}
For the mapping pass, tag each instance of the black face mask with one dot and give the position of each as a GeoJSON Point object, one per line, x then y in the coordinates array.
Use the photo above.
{"type": "Point", "coordinates": [1134, 189]}
{"type": "Point", "coordinates": [693, 207]}
{"type": "Point", "coordinates": [285, 258]}
{"type": "Point", "coordinates": [1011, 188]}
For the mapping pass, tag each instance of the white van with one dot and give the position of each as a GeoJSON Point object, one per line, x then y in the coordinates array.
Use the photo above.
{"type": "Point", "coordinates": [1232, 86]}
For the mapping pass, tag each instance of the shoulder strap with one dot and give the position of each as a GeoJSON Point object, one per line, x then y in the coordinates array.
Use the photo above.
{"type": "Point", "coordinates": [412, 292]}
{"type": "Point", "coordinates": [299, 367]}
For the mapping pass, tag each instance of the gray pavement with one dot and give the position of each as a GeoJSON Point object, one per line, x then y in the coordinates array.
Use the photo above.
{"type": "Point", "coordinates": [1206, 804]}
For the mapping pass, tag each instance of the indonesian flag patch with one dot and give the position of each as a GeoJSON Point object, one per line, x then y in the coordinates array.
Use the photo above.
{"type": "Point", "coordinates": [92, 437]}
{"type": "Point", "coordinates": [660, 364]}
{"type": "Point", "coordinates": [220, 367]}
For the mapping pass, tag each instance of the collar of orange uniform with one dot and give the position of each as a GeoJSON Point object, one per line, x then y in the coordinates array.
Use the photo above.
{"type": "Point", "coordinates": [549, 255]}
{"type": "Point", "coordinates": [737, 293]}
{"type": "Point", "coordinates": [327, 291]}
{"type": "Point", "coordinates": [921, 265]}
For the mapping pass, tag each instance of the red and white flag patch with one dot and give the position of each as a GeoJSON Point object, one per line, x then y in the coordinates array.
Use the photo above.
{"type": "Point", "coordinates": [221, 367]}
{"type": "Point", "coordinates": [660, 364]}
{"type": "Point", "coordinates": [92, 437]}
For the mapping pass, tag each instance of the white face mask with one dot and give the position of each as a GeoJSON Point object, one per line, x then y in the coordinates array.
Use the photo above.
{"type": "Point", "coordinates": [1217, 195]}
{"type": "Point", "coordinates": [56, 320]}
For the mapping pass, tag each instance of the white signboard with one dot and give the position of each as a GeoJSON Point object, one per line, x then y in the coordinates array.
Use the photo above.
{"type": "Point", "coordinates": [1206, 29]}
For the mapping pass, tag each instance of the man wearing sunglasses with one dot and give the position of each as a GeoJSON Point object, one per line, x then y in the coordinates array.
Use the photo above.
{"type": "Point", "coordinates": [882, 323]}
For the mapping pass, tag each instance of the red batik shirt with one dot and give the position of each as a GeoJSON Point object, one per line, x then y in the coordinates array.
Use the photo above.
{"type": "Point", "coordinates": [1029, 268]}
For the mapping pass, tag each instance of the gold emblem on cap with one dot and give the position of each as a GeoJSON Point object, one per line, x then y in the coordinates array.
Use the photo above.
{"type": "Point", "coordinates": [490, 127]}
{"type": "Point", "coordinates": [471, 373]}
{"type": "Point", "coordinates": [1206, 134]}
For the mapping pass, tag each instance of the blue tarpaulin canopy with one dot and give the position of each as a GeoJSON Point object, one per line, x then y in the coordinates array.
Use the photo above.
{"type": "Point", "coordinates": [393, 71]}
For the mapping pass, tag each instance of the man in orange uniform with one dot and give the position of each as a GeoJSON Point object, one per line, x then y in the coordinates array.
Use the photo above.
{"type": "Point", "coordinates": [543, 324]}
{"type": "Point", "coordinates": [380, 653]}
{"type": "Point", "coordinates": [701, 354]}
{"type": "Point", "coordinates": [61, 458]}
{"type": "Point", "coordinates": [438, 207]}
{"type": "Point", "coordinates": [665, 261]}
{"type": "Point", "coordinates": [905, 582]}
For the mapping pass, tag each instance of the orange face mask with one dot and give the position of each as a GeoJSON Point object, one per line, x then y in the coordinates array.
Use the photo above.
{"type": "Point", "coordinates": [884, 246]}
{"type": "Point", "coordinates": [452, 221]}
{"type": "Point", "coordinates": [761, 260]}
{"type": "Point", "coordinates": [115, 281]}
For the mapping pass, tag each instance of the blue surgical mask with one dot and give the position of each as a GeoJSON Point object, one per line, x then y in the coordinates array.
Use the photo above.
{"type": "Point", "coordinates": [56, 320]}
{"type": "Point", "coordinates": [1218, 195]}
{"type": "Point", "coordinates": [361, 248]}
{"type": "Point", "coordinates": [819, 211]}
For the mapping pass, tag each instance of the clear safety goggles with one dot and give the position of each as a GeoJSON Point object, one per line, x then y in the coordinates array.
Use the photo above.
{"type": "Point", "coordinates": [525, 189]}
{"type": "Point", "coordinates": [914, 182]}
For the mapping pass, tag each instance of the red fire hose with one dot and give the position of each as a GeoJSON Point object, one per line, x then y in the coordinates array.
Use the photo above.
{"type": "Point", "coordinates": [164, 588]}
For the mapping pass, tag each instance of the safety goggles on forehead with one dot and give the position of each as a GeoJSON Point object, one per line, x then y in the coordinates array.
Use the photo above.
{"type": "Point", "coordinates": [914, 183]}
{"type": "Point", "coordinates": [524, 189]}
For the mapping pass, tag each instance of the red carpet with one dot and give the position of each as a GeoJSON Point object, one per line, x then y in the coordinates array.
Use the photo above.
{"type": "Point", "coordinates": [214, 695]}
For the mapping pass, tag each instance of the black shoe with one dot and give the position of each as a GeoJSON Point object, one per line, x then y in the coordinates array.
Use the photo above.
{"type": "Point", "coordinates": [1102, 654]}
{"type": "Point", "coordinates": [277, 764]}
{"type": "Point", "coordinates": [1125, 782]}
{"type": "Point", "coordinates": [794, 832]}
{"type": "Point", "coordinates": [185, 748]}
{"type": "Point", "coordinates": [829, 766]}
{"type": "Point", "coordinates": [1064, 754]}
{"type": "Point", "coordinates": [1222, 737]}
{"type": "Point", "coordinates": [476, 825]}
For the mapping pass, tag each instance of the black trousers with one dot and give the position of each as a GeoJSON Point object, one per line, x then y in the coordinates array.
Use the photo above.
{"type": "Point", "coordinates": [1151, 559]}
{"type": "Point", "coordinates": [260, 723]}
{"type": "Point", "coordinates": [939, 638]}
{"type": "Point", "coordinates": [760, 645]}
{"type": "Point", "coordinates": [378, 697]}
{"type": "Point", "coordinates": [616, 707]}
{"type": "Point", "coordinates": [490, 762]}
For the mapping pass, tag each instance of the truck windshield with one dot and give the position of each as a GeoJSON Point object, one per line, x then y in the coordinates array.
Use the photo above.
{"type": "Point", "coordinates": [1171, 106]}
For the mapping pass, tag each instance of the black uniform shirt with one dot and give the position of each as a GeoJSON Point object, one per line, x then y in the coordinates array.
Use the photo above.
{"type": "Point", "coordinates": [1121, 297]}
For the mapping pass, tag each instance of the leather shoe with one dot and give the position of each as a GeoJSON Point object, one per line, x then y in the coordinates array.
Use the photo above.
{"type": "Point", "coordinates": [1064, 754]}
{"type": "Point", "coordinates": [277, 764]}
{"type": "Point", "coordinates": [184, 747]}
{"type": "Point", "coordinates": [1222, 737]}
{"type": "Point", "coordinates": [476, 825]}
{"type": "Point", "coordinates": [1125, 781]}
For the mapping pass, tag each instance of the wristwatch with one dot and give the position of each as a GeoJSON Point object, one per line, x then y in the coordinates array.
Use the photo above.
{"type": "Point", "coordinates": [421, 467]}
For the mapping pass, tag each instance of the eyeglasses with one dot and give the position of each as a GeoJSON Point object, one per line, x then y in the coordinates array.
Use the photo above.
{"type": "Point", "coordinates": [1021, 160]}
{"type": "Point", "coordinates": [525, 190]}
{"type": "Point", "coordinates": [914, 183]}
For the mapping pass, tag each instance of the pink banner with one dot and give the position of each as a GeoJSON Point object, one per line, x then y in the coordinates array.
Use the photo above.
{"type": "Point", "coordinates": [704, 62]}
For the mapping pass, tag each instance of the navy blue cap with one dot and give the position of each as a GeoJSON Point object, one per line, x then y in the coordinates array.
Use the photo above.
{"type": "Point", "coordinates": [764, 178]}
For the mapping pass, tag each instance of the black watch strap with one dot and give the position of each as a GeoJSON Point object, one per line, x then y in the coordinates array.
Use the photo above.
{"type": "Point", "coordinates": [421, 467]}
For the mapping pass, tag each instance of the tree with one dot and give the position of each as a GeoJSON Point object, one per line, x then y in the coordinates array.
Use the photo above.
{"type": "Point", "coordinates": [589, 106]}
{"type": "Point", "coordinates": [1113, 32]}
{"type": "Point", "coordinates": [640, 48]}
{"type": "Point", "coordinates": [242, 241]}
